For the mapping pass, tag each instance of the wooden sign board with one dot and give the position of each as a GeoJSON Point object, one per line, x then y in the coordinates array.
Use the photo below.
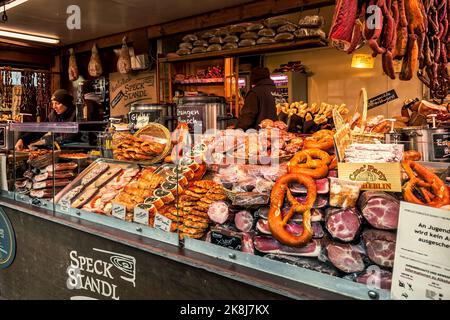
{"type": "Point", "coordinates": [126, 89]}
{"type": "Point", "coordinates": [376, 176]}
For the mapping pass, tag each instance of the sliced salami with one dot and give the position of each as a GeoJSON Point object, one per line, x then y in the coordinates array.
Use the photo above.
{"type": "Point", "coordinates": [218, 212]}
{"type": "Point", "coordinates": [243, 221]}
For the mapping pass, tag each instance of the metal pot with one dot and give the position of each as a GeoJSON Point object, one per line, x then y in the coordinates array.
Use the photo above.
{"type": "Point", "coordinates": [143, 113]}
{"type": "Point", "coordinates": [203, 112]}
{"type": "Point", "coordinates": [432, 143]}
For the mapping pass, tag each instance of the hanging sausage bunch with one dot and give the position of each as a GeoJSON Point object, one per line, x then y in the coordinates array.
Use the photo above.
{"type": "Point", "coordinates": [415, 31]}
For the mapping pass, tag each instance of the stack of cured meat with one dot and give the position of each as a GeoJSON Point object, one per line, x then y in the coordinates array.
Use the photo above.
{"type": "Point", "coordinates": [344, 232]}
{"type": "Point", "coordinates": [45, 182]}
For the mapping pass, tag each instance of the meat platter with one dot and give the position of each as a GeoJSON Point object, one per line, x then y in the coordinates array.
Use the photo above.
{"type": "Point", "coordinates": [78, 182]}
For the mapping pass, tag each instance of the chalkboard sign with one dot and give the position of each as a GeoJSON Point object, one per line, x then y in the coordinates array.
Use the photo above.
{"type": "Point", "coordinates": [7, 241]}
{"type": "Point", "coordinates": [382, 99]}
{"type": "Point", "coordinates": [441, 145]}
{"type": "Point", "coordinates": [192, 115]}
{"type": "Point", "coordinates": [226, 241]}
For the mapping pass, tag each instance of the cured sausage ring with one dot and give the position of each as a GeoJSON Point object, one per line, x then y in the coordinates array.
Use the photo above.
{"type": "Point", "coordinates": [303, 163]}
{"type": "Point", "coordinates": [276, 221]}
{"type": "Point", "coordinates": [420, 178]}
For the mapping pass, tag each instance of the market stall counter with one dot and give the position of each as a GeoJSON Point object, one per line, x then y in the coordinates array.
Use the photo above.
{"type": "Point", "coordinates": [194, 226]}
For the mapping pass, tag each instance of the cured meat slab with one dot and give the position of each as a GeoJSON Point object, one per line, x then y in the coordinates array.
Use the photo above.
{"type": "Point", "coordinates": [345, 257]}
{"type": "Point", "coordinates": [243, 221]}
{"type": "Point", "coordinates": [376, 277]}
{"type": "Point", "coordinates": [305, 262]}
{"type": "Point", "coordinates": [316, 214]}
{"type": "Point", "coordinates": [294, 228]}
{"type": "Point", "coordinates": [380, 209]}
{"type": "Point", "coordinates": [343, 224]}
{"type": "Point", "coordinates": [380, 247]}
{"type": "Point", "coordinates": [266, 244]}
{"type": "Point", "coordinates": [322, 185]}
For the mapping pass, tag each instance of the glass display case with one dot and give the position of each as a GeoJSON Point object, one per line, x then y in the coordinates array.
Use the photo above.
{"type": "Point", "coordinates": [174, 204]}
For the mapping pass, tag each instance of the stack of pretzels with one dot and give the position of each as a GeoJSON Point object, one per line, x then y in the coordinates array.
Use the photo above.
{"type": "Point", "coordinates": [313, 162]}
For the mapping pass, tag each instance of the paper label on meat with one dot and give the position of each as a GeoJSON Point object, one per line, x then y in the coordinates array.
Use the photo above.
{"type": "Point", "coordinates": [119, 211]}
{"type": "Point", "coordinates": [162, 223]}
{"type": "Point", "coordinates": [140, 215]}
{"type": "Point", "coordinates": [64, 205]}
{"type": "Point", "coordinates": [422, 255]}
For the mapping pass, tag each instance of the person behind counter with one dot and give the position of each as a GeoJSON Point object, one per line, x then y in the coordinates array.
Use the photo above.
{"type": "Point", "coordinates": [259, 102]}
{"type": "Point", "coordinates": [64, 110]}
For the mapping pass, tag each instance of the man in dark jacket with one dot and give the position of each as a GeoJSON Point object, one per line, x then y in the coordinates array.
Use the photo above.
{"type": "Point", "coordinates": [259, 103]}
{"type": "Point", "coordinates": [63, 111]}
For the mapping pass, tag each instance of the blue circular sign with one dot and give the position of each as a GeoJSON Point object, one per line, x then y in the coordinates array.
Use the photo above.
{"type": "Point", "coordinates": [7, 241]}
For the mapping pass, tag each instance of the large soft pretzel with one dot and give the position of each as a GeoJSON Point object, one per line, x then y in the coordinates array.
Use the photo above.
{"type": "Point", "coordinates": [420, 180]}
{"type": "Point", "coordinates": [322, 139]}
{"type": "Point", "coordinates": [312, 162]}
{"type": "Point", "coordinates": [276, 221]}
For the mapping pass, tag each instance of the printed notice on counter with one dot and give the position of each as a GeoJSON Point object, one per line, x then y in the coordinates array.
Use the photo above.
{"type": "Point", "coordinates": [162, 222]}
{"type": "Point", "coordinates": [65, 205]}
{"type": "Point", "coordinates": [119, 211]}
{"type": "Point", "coordinates": [422, 255]}
{"type": "Point", "coordinates": [140, 215]}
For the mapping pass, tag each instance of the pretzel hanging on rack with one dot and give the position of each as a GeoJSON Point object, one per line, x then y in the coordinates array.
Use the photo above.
{"type": "Point", "coordinates": [277, 222]}
{"type": "Point", "coordinates": [424, 187]}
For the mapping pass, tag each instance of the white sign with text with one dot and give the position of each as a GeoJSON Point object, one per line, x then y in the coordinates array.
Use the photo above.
{"type": "Point", "coordinates": [422, 255]}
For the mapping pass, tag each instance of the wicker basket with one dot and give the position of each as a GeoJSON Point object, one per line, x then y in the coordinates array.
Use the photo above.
{"type": "Point", "coordinates": [158, 131]}
{"type": "Point", "coordinates": [357, 134]}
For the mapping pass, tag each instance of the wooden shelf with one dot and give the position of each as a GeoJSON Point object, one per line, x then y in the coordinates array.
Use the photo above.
{"type": "Point", "coordinates": [201, 83]}
{"type": "Point", "coordinates": [257, 49]}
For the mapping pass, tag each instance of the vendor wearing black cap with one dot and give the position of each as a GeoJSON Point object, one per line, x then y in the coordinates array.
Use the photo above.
{"type": "Point", "coordinates": [63, 110]}
{"type": "Point", "coordinates": [259, 103]}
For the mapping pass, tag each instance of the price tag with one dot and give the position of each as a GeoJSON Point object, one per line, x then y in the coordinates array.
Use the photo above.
{"type": "Point", "coordinates": [119, 211]}
{"type": "Point", "coordinates": [162, 223]}
{"type": "Point", "coordinates": [65, 205]}
{"type": "Point", "coordinates": [142, 121]}
{"type": "Point", "coordinates": [140, 215]}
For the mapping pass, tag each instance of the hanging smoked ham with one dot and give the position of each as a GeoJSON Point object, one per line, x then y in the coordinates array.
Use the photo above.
{"type": "Point", "coordinates": [124, 62]}
{"type": "Point", "coordinates": [73, 69]}
{"type": "Point", "coordinates": [95, 65]}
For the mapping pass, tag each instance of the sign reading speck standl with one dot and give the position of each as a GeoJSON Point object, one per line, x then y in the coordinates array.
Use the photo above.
{"type": "Point", "coordinates": [7, 241]}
